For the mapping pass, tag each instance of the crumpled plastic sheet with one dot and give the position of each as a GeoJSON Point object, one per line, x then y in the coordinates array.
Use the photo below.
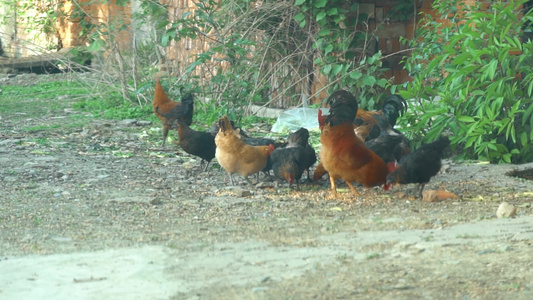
{"type": "Point", "coordinates": [293, 119]}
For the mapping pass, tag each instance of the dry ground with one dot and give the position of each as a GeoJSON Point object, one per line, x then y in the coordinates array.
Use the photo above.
{"type": "Point", "coordinates": [100, 212]}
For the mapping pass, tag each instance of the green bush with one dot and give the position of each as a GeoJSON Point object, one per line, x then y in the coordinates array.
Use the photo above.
{"type": "Point", "coordinates": [345, 48]}
{"type": "Point", "coordinates": [473, 80]}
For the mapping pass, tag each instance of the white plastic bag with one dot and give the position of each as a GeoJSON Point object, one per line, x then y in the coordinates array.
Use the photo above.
{"type": "Point", "coordinates": [294, 119]}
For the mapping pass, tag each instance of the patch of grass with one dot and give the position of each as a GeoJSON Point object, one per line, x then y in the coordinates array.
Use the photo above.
{"type": "Point", "coordinates": [41, 152]}
{"type": "Point", "coordinates": [42, 141]}
{"type": "Point", "coordinates": [37, 221]}
{"type": "Point", "coordinates": [42, 127]}
{"type": "Point", "coordinates": [373, 255]}
{"type": "Point", "coordinates": [468, 236]}
{"type": "Point", "coordinates": [378, 220]}
{"type": "Point", "coordinates": [123, 154]}
{"type": "Point", "coordinates": [428, 238]}
{"type": "Point", "coordinates": [511, 286]}
{"type": "Point", "coordinates": [110, 108]}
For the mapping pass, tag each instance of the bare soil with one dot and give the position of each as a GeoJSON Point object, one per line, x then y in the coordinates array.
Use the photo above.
{"type": "Point", "coordinates": [102, 212]}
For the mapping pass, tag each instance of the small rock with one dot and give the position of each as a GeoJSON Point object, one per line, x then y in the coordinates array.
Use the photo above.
{"type": "Point", "coordinates": [144, 123]}
{"type": "Point", "coordinates": [430, 196]}
{"type": "Point", "coordinates": [264, 184]}
{"type": "Point", "coordinates": [259, 289]}
{"type": "Point", "coordinates": [128, 122]}
{"type": "Point", "coordinates": [400, 195]}
{"type": "Point", "coordinates": [156, 201]}
{"type": "Point", "coordinates": [437, 195]}
{"type": "Point", "coordinates": [505, 210]}
{"type": "Point", "coordinates": [446, 195]}
{"type": "Point", "coordinates": [242, 192]}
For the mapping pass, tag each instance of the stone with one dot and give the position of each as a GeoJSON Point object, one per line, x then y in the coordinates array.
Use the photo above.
{"type": "Point", "coordinates": [242, 192]}
{"type": "Point", "coordinates": [430, 196]}
{"type": "Point", "coordinates": [505, 210]}
{"type": "Point", "coordinates": [128, 122]}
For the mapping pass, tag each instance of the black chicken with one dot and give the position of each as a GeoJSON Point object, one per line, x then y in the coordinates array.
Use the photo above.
{"type": "Point", "coordinates": [289, 163]}
{"type": "Point", "coordinates": [197, 143]}
{"type": "Point", "coordinates": [301, 138]}
{"type": "Point", "coordinates": [420, 165]}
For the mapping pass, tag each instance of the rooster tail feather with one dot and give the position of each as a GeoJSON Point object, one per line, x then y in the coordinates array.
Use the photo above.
{"type": "Point", "coordinates": [159, 95]}
{"type": "Point", "coordinates": [394, 107]}
{"type": "Point", "coordinates": [441, 143]}
{"type": "Point", "coordinates": [343, 108]}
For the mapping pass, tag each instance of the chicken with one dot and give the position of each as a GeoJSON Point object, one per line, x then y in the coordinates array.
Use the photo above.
{"type": "Point", "coordinates": [289, 163]}
{"type": "Point", "coordinates": [344, 155]}
{"type": "Point", "coordinates": [319, 172]}
{"type": "Point", "coordinates": [169, 111]}
{"type": "Point", "coordinates": [384, 146]}
{"type": "Point", "coordinates": [420, 165]}
{"type": "Point", "coordinates": [253, 141]}
{"type": "Point", "coordinates": [301, 137]}
{"type": "Point", "coordinates": [365, 121]}
{"type": "Point", "coordinates": [197, 143]}
{"type": "Point", "coordinates": [391, 144]}
{"type": "Point", "coordinates": [235, 156]}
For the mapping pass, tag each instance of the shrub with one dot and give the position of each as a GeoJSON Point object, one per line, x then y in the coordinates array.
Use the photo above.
{"type": "Point", "coordinates": [473, 79]}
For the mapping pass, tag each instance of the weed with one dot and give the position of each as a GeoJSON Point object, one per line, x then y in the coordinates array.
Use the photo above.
{"type": "Point", "coordinates": [468, 236]}
{"type": "Point", "coordinates": [373, 255]}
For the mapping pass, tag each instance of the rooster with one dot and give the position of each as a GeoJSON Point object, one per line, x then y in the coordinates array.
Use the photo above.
{"type": "Point", "coordinates": [391, 144]}
{"type": "Point", "coordinates": [365, 123]}
{"type": "Point", "coordinates": [169, 111]}
{"type": "Point", "coordinates": [420, 165]}
{"type": "Point", "coordinates": [344, 155]}
{"type": "Point", "coordinates": [235, 156]}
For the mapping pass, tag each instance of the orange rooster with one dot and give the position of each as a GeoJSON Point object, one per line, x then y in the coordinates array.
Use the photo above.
{"type": "Point", "coordinates": [365, 123]}
{"type": "Point", "coordinates": [235, 156]}
{"type": "Point", "coordinates": [169, 111]}
{"type": "Point", "coordinates": [344, 155]}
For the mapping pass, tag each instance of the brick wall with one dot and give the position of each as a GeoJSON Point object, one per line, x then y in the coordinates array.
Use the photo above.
{"type": "Point", "coordinates": [103, 14]}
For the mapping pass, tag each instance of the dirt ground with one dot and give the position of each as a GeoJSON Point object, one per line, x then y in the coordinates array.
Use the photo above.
{"type": "Point", "coordinates": [102, 212]}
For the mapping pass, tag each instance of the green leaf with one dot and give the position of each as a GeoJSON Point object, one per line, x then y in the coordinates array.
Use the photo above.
{"type": "Point", "coordinates": [324, 31]}
{"type": "Point", "coordinates": [328, 49]}
{"type": "Point", "coordinates": [466, 119]}
{"type": "Point", "coordinates": [523, 139]}
{"type": "Point", "coordinates": [383, 83]}
{"type": "Point", "coordinates": [299, 2]}
{"type": "Point", "coordinates": [96, 45]}
{"type": "Point", "coordinates": [317, 61]}
{"type": "Point", "coordinates": [333, 11]}
{"type": "Point", "coordinates": [507, 158]}
{"type": "Point", "coordinates": [320, 3]}
{"type": "Point", "coordinates": [337, 68]}
{"type": "Point", "coordinates": [321, 15]}
{"type": "Point", "coordinates": [369, 80]}
{"type": "Point", "coordinates": [164, 40]}
{"type": "Point", "coordinates": [299, 17]}
{"type": "Point", "coordinates": [326, 69]}
{"type": "Point", "coordinates": [491, 69]}
{"type": "Point", "coordinates": [355, 75]}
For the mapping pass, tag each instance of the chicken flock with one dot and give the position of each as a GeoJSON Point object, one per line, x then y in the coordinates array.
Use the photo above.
{"type": "Point", "coordinates": [358, 146]}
